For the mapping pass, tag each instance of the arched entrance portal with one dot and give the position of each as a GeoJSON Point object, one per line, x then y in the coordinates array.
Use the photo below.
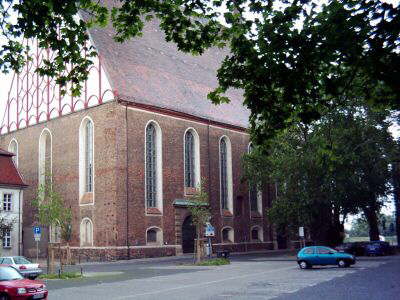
{"type": "Point", "coordinates": [188, 235]}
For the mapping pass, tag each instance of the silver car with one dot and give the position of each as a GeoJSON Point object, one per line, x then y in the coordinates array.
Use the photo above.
{"type": "Point", "coordinates": [23, 265]}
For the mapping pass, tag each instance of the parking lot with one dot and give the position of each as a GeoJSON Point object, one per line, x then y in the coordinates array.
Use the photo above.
{"type": "Point", "coordinates": [247, 277]}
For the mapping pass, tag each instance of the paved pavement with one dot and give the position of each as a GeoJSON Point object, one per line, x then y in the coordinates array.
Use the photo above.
{"type": "Point", "coordinates": [256, 276]}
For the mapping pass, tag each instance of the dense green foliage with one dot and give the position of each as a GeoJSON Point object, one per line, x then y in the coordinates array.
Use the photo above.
{"type": "Point", "coordinates": [292, 59]}
{"type": "Point", "coordinates": [324, 172]}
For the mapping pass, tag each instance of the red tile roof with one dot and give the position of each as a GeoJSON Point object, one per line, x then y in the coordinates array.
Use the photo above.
{"type": "Point", "coordinates": [148, 70]}
{"type": "Point", "coordinates": [9, 175]}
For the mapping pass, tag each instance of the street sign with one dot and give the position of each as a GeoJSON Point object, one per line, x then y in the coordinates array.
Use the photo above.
{"type": "Point", "coordinates": [210, 231]}
{"type": "Point", "coordinates": [37, 233]}
{"type": "Point", "coordinates": [301, 232]}
{"type": "Point", "coordinates": [37, 230]}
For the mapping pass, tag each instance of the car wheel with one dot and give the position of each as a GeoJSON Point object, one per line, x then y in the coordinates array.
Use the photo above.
{"type": "Point", "coordinates": [342, 263]}
{"type": "Point", "coordinates": [303, 265]}
{"type": "Point", "coordinates": [4, 297]}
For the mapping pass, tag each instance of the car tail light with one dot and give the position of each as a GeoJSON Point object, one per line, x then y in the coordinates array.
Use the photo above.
{"type": "Point", "coordinates": [22, 267]}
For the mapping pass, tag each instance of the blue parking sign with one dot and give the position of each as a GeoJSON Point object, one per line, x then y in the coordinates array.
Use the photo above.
{"type": "Point", "coordinates": [37, 230]}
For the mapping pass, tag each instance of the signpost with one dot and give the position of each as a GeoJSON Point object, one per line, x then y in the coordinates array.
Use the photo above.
{"type": "Point", "coordinates": [209, 232]}
{"type": "Point", "coordinates": [37, 233]}
{"type": "Point", "coordinates": [301, 235]}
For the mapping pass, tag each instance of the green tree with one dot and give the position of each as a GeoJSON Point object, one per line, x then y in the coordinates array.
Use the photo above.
{"type": "Point", "coordinates": [53, 213]}
{"type": "Point", "coordinates": [200, 211]}
{"type": "Point", "coordinates": [293, 59]}
{"type": "Point", "coordinates": [324, 172]}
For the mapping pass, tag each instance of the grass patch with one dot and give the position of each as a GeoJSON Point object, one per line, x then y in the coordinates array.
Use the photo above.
{"type": "Point", "coordinates": [214, 262]}
{"type": "Point", "coordinates": [65, 275]}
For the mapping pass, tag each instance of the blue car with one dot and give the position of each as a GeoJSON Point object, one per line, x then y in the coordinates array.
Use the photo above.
{"type": "Point", "coordinates": [377, 248]}
{"type": "Point", "coordinates": [321, 255]}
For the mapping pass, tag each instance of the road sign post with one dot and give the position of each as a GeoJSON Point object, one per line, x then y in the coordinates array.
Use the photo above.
{"type": "Point", "coordinates": [37, 233]}
{"type": "Point", "coordinates": [301, 235]}
{"type": "Point", "coordinates": [209, 232]}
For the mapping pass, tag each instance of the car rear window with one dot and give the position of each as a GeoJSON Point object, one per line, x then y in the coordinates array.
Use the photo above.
{"type": "Point", "coordinates": [20, 260]}
{"type": "Point", "coordinates": [6, 261]}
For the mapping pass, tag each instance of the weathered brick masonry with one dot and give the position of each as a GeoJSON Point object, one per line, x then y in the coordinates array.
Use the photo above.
{"type": "Point", "coordinates": [120, 130]}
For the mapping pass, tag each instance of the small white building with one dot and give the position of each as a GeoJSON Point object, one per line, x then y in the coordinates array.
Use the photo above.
{"type": "Point", "coordinates": [11, 196]}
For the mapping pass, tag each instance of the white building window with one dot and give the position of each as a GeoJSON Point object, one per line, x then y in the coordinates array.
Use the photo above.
{"type": "Point", "coordinates": [86, 232]}
{"type": "Point", "coordinates": [13, 148]}
{"type": "Point", "coordinates": [86, 158]}
{"type": "Point", "coordinates": [191, 159]}
{"type": "Point", "coordinates": [153, 166]}
{"type": "Point", "coordinates": [7, 202]}
{"type": "Point", "coordinates": [7, 239]}
{"type": "Point", "coordinates": [154, 236]}
{"type": "Point", "coordinates": [225, 166]}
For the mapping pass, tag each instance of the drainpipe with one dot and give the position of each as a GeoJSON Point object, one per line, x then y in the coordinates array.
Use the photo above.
{"type": "Point", "coordinates": [19, 222]}
{"type": "Point", "coordinates": [209, 160]}
{"type": "Point", "coordinates": [127, 181]}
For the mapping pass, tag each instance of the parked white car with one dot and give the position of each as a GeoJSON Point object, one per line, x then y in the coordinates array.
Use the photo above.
{"type": "Point", "coordinates": [23, 265]}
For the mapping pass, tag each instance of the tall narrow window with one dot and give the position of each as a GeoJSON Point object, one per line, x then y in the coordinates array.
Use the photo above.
{"type": "Point", "coordinates": [7, 239]}
{"type": "Point", "coordinates": [223, 173]}
{"type": "Point", "coordinates": [89, 157]}
{"type": "Point", "coordinates": [189, 160]}
{"type": "Point", "coordinates": [151, 166]}
{"type": "Point", "coordinates": [86, 230]}
{"type": "Point", "coordinates": [7, 200]}
{"type": "Point", "coordinates": [45, 157]}
{"type": "Point", "coordinates": [13, 148]}
{"type": "Point", "coordinates": [253, 193]}
{"type": "Point", "coordinates": [86, 162]}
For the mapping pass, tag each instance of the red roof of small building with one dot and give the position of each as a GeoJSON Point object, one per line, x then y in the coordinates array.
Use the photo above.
{"type": "Point", "coordinates": [9, 175]}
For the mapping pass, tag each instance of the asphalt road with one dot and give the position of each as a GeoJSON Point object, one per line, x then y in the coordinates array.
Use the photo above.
{"type": "Point", "coordinates": [247, 277]}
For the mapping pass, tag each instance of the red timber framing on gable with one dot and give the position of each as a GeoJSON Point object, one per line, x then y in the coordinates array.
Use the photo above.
{"type": "Point", "coordinates": [32, 98]}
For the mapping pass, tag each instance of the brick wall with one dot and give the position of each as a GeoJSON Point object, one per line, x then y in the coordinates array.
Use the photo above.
{"type": "Point", "coordinates": [118, 159]}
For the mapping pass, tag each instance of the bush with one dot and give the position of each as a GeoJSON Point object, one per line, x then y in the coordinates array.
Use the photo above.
{"type": "Point", "coordinates": [65, 275]}
{"type": "Point", "coordinates": [214, 262]}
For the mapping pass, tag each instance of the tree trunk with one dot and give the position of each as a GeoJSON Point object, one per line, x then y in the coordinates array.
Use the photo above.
{"type": "Point", "coordinates": [50, 259]}
{"type": "Point", "coordinates": [60, 257]}
{"type": "Point", "coordinates": [372, 220]}
{"type": "Point", "coordinates": [198, 245]}
{"type": "Point", "coordinates": [68, 255]}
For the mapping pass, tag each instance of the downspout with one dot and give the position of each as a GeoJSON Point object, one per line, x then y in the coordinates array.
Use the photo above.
{"type": "Point", "coordinates": [19, 222]}
{"type": "Point", "coordinates": [209, 160]}
{"type": "Point", "coordinates": [127, 181]}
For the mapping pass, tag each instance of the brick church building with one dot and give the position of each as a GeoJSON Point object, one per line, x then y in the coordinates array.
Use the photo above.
{"type": "Point", "coordinates": [128, 158]}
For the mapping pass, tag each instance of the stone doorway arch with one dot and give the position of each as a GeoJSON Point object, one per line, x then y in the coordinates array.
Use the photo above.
{"type": "Point", "coordinates": [188, 235]}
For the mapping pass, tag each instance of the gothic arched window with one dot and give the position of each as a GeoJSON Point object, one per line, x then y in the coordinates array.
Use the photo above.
{"type": "Point", "coordinates": [89, 157]}
{"type": "Point", "coordinates": [223, 173]}
{"type": "Point", "coordinates": [189, 159]}
{"type": "Point", "coordinates": [151, 166]}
